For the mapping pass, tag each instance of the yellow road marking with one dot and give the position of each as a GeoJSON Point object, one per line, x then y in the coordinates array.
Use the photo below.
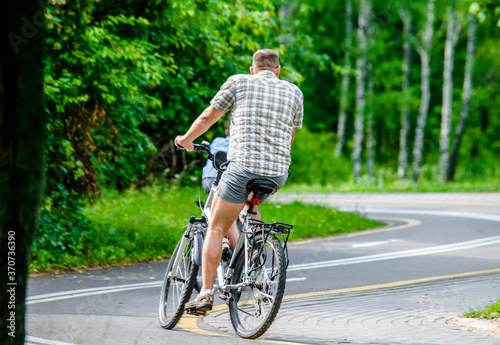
{"type": "Point", "coordinates": [189, 323]}
{"type": "Point", "coordinates": [410, 222]}
{"type": "Point", "coordinates": [389, 285]}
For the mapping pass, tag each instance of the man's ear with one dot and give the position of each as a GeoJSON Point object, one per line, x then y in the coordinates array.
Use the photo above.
{"type": "Point", "coordinates": [278, 69]}
{"type": "Point", "coordinates": [251, 70]}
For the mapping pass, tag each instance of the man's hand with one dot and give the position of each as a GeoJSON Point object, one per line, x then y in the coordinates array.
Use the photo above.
{"type": "Point", "coordinates": [183, 144]}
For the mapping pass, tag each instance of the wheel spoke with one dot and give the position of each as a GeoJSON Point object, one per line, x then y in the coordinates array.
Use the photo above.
{"type": "Point", "coordinates": [266, 295]}
{"type": "Point", "coordinates": [244, 312]}
{"type": "Point", "coordinates": [254, 310]}
{"type": "Point", "coordinates": [176, 289]}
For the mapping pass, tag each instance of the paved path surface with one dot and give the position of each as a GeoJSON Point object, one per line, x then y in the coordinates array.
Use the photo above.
{"type": "Point", "coordinates": [412, 314]}
{"type": "Point", "coordinates": [388, 286]}
{"type": "Point", "coordinates": [488, 203]}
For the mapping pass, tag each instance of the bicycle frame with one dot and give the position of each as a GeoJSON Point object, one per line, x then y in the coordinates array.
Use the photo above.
{"type": "Point", "coordinates": [251, 281]}
{"type": "Point", "coordinates": [242, 243]}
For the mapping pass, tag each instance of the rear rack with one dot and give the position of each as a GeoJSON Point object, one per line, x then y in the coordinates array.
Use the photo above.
{"type": "Point", "coordinates": [278, 229]}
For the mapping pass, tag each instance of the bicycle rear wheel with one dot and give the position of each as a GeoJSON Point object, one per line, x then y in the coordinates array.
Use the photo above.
{"type": "Point", "coordinates": [176, 290]}
{"type": "Point", "coordinates": [253, 308]}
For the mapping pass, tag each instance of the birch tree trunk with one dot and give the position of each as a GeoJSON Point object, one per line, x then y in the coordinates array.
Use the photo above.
{"type": "Point", "coordinates": [451, 40]}
{"type": "Point", "coordinates": [466, 94]}
{"type": "Point", "coordinates": [370, 156]}
{"type": "Point", "coordinates": [22, 146]}
{"type": "Point", "coordinates": [425, 98]}
{"type": "Point", "coordinates": [345, 80]}
{"type": "Point", "coordinates": [405, 109]}
{"type": "Point", "coordinates": [364, 10]}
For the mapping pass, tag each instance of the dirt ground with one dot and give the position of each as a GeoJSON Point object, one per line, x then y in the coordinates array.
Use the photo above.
{"type": "Point", "coordinates": [481, 326]}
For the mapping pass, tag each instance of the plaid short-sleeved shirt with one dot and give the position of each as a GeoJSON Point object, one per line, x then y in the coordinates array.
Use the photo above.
{"type": "Point", "coordinates": [264, 112]}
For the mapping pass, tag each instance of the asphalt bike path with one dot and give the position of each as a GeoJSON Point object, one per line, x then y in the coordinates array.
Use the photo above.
{"type": "Point", "coordinates": [395, 285]}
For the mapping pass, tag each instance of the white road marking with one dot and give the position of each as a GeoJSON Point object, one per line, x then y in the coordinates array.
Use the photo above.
{"type": "Point", "coordinates": [361, 259]}
{"type": "Point", "coordinates": [397, 255]}
{"type": "Point", "coordinates": [471, 215]}
{"type": "Point", "coordinates": [373, 244]}
{"type": "Point", "coordinates": [313, 265]}
{"type": "Point", "coordinates": [29, 340]}
{"type": "Point", "coordinates": [58, 296]}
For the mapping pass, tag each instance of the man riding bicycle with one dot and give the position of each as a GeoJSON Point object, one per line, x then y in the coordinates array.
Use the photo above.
{"type": "Point", "coordinates": [265, 114]}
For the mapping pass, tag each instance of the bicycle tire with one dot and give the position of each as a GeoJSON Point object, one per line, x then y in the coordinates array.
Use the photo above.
{"type": "Point", "coordinates": [251, 310]}
{"type": "Point", "coordinates": [176, 291]}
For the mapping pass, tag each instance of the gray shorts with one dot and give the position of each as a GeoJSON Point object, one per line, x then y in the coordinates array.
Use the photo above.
{"type": "Point", "coordinates": [233, 184]}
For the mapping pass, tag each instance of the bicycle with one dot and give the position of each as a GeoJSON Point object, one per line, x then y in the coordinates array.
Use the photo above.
{"type": "Point", "coordinates": [251, 280]}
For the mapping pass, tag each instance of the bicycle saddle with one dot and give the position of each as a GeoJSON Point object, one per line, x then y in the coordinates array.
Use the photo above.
{"type": "Point", "coordinates": [220, 160]}
{"type": "Point", "coordinates": [262, 186]}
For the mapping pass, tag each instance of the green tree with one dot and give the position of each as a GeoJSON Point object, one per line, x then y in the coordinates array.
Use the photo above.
{"type": "Point", "coordinates": [322, 90]}
{"type": "Point", "coordinates": [466, 95]}
{"type": "Point", "coordinates": [406, 18]}
{"type": "Point", "coordinates": [363, 27]}
{"type": "Point", "coordinates": [424, 49]}
{"type": "Point", "coordinates": [345, 81]}
{"type": "Point", "coordinates": [124, 78]}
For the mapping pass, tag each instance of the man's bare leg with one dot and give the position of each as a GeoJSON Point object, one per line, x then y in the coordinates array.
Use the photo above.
{"type": "Point", "coordinates": [234, 232]}
{"type": "Point", "coordinates": [224, 214]}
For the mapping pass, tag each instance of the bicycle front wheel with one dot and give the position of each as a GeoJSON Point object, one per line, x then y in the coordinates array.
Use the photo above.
{"type": "Point", "coordinates": [176, 289]}
{"type": "Point", "coordinates": [253, 307]}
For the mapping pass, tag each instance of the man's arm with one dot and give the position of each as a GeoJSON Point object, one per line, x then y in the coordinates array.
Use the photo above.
{"type": "Point", "coordinates": [293, 137]}
{"type": "Point", "coordinates": [298, 113]}
{"type": "Point", "coordinates": [199, 126]}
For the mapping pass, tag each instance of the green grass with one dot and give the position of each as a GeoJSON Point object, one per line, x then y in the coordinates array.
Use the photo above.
{"type": "Point", "coordinates": [490, 312]}
{"type": "Point", "coordinates": [314, 220]}
{"type": "Point", "coordinates": [157, 215]}
{"type": "Point", "coordinates": [138, 226]}
{"type": "Point", "coordinates": [146, 223]}
{"type": "Point", "coordinates": [367, 185]}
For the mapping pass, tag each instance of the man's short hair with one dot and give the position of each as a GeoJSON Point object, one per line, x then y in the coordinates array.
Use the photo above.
{"type": "Point", "coordinates": [265, 59]}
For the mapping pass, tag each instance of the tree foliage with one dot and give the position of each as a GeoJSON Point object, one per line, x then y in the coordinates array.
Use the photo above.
{"type": "Point", "coordinates": [123, 78]}
{"type": "Point", "coordinates": [322, 92]}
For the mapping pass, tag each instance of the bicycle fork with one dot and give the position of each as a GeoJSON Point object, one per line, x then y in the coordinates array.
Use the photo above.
{"type": "Point", "coordinates": [182, 247]}
{"type": "Point", "coordinates": [186, 237]}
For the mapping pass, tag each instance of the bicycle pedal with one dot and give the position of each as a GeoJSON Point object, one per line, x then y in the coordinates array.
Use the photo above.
{"type": "Point", "coordinates": [195, 312]}
{"type": "Point", "coordinates": [225, 298]}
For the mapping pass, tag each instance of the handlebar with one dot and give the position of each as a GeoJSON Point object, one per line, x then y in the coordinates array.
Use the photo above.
{"type": "Point", "coordinates": [203, 147]}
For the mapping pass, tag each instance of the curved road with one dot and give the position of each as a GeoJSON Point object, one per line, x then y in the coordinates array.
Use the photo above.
{"type": "Point", "coordinates": [399, 284]}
